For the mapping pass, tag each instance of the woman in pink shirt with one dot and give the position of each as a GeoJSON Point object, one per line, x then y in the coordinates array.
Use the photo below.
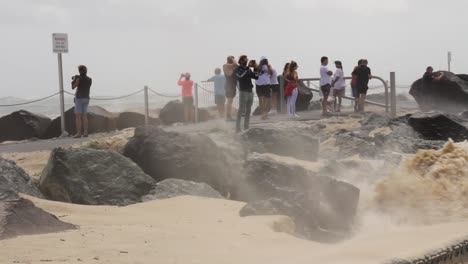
{"type": "Point", "coordinates": [187, 97]}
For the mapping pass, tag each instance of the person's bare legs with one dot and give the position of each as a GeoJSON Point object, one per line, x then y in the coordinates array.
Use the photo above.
{"type": "Point", "coordinates": [324, 104]}
{"type": "Point", "coordinates": [221, 110]}
{"type": "Point", "coordinates": [186, 114]}
{"type": "Point", "coordinates": [229, 108]}
{"type": "Point", "coordinates": [84, 117]}
{"type": "Point", "coordinates": [78, 125]}
{"type": "Point", "coordinates": [274, 102]}
{"type": "Point", "coordinates": [362, 102]}
{"type": "Point", "coordinates": [340, 99]}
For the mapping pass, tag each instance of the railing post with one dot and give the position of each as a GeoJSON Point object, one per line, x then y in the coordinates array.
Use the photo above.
{"type": "Point", "coordinates": [146, 106]}
{"type": "Point", "coordinates": [393, 94]}
{"type": "Point", "coordinates": [62, 99]}
{"type": "Point", "coordinates": [281, 99]}
{"type": "Point", "coordinates": [387, 98]}
{"type": "Point", "coordinates": [196, 102]}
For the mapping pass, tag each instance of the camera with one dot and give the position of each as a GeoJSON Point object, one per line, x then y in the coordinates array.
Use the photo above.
{"type": "Point", "coordinates": [75, 77]}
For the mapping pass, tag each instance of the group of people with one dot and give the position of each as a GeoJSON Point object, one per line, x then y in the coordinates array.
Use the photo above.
{"type": "Point", "coordinates": [334, 84]}
{"type": "Point", "coordinates": [238, 75]}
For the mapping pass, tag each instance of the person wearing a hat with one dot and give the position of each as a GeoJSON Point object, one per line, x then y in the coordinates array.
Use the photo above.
{"type": "Point", "coordinates": [263, 89]}
{"type": "Point", "coordinates": [187, 96]}
{"type": "Point", "coordinates": [339, 84]}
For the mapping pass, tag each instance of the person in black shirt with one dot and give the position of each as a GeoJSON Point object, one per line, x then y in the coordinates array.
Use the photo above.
{"type": "Point", "coordinates": [82, 83]}
{"type": "Point", "coordinates": [430, 76]}
{"type": "Point", "coordinates": [363, 75]}
{"type": "Point", "coordinates": [245, 75]}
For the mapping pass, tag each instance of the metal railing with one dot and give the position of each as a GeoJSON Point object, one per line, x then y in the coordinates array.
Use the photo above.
{"type": "Point", "coordinates": [390, 96]}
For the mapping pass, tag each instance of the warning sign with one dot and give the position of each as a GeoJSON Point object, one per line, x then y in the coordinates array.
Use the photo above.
{"type": "Point", "coordinates": [60, 42]}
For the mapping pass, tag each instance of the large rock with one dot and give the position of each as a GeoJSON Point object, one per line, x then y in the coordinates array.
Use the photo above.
{"type": "Point", "coordinates": [292, 142]}
{"type": "Point", "coordinates": [194, 157]}
{"type": "Point", "coordinates": [16, 179]}
{"type": "Point", "coordinates": [351, 143]}
{"type": "Point", "coordinates": [439, 126]}
{"type": "Point", "coordinates": [99, 120]}
{"type": "Point", "coordinates": [19, 216]}
{"type": "Point", "coordinates": [22, 125]}
{"type": "Point", "coordinates": [133, 119]}
{"type": "Point", "coordinates": [304, 97]}
{"type": "Point", "coordinates": [93, 177]}
{"type": "Point", "coordinates": [171, 188]}
{"type": "Point", "coordinates": [314, 202]}
{"type": "Point", "coordinates": [449, 94]}
{"type": "Point", "coordinates": [173, 112]}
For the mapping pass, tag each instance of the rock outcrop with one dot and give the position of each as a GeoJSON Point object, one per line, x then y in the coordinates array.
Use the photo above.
{"type": "Point", "coordinates": [448, 95]}
{"type": "Point", "coordinates": [100, 120]}
{"type": "Point", "coordinates": [22, 125]}
{"type": "Point", "coordinates": [439, 126]}
{"type": "Point", "coordinates": [290, 142]}
{"type": "Point", "coordinates": [315, 203]}
{"type": "Point", "coordinates": [173, 112]}
{"type": "Point", "coordinates": [193, 157]}
{"type": "Point", "coordinates": [171, 188]}
{"type": "Point", "coordinates": [15, 179]}
{"type": "Point", "coordinates": [19, 216]}
{"type": "Point", "coordinates": [93, 177]}
{"type": "Point", "coordinates": [132, 119]}
{"type": "Point", "coordinates": [304, 97]}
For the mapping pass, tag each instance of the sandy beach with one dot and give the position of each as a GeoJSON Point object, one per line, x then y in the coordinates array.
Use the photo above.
{"type": "Point", "coordinates": [201, 230]}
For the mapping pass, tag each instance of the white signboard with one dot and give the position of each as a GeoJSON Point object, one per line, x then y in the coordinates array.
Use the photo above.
{"type": "Point", "coordinates": [60, 42]}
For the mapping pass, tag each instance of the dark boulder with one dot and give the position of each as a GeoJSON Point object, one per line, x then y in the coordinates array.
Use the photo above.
{"type": "Point", "coordinates": [448, 95]}
{"type": "Point", "coordinates": [16, 179]}
{"type": "Point", "coordinates": [314, 202]}
{"type": "Point", "coordinates": [173, 112]}
{"type": "Point", "coordinates": [297, 143]}
{"type": "Point", "coordinates": [439, 126]}
{"type": "Point", "coordinates": [93, 177]}
{"type": "Point", "coordinates": [304, 97]}
{"type": "Point", "coordinates": [22, 125]}
{"type": "Point", "coordinates": [133, 119]}
{"type": "Point", "coordinates": [99, 120]}
{"type": "Point", "coordinates": [19, 216]}
{"type": "Point", "coordinates": [193, 157]}
{"type": "Point", "coordinates": [171, 188]}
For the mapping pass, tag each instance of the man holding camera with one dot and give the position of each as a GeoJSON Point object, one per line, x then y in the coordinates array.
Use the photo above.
{"type": "Point", "coordinates": [82, 83]}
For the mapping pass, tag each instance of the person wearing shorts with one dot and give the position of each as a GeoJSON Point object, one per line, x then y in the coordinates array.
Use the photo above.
{"type": "Point", "coordinates": [82, 83]}
{"type": "Point", "coordinates": [187, 96]}
{"type": "Point", "coordinates": [274, 87]}
{"type": "Point", "coordinates": [231, 85]}
{"type": "Point", "coordinates": [263, 87]}
{"type": "Point", "coordinates": [363, 76]}
{"type": "Point", "coordinates": [339, 84]}
{"type": "Point", "coordinates": [219, 81]}
{"type": "Point", "coordinates": [325, 86]}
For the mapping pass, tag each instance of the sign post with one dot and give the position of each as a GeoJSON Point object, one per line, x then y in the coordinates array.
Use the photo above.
{"type": "Point", "coordinates": [60, 45]}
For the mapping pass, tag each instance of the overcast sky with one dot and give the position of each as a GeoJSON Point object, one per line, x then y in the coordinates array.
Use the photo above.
{"type": "Point", "coordinates": [127, 44]}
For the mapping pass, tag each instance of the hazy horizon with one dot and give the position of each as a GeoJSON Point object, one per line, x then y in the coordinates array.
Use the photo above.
{"type": "Point", "coordinates": [129, 44]}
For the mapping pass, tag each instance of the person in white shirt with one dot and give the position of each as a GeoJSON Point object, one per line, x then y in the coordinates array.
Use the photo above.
{"type": "Point", "coordinates": [264, 72]}
{"type": "Point", "coordinates": [325, 86]}
{"type": "Point", "coordinates": [339, 84]}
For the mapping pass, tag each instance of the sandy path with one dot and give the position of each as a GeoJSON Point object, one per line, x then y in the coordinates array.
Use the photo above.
{"type": "Point", "coordinates": [199, 230]}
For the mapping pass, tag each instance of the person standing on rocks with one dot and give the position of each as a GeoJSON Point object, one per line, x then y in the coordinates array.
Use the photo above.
{"type": "Point", "coordinates": [231, 85]}
{"type": "Point", "coordinates": [291, 92]}
{"type": "Point", "coordinates": [219, 90]}
{"type": "Point", "coordinates": [429, 76]}
{"type": "Point", "coordinates": [245, 75]}
{"type": "Point", "coordinates": [325, 86]}
{"type": "Point", "coordinates": [82, 83]}
{"type": "Point", "coordinates": [363, 74]}
{"type": "Point", "coordinates": [274, 86]}
{"type": "Point", "coordinates": [263, 86]}
{"type": "Point", "coordinates": [354, 88]}
{"type": "Point", "coordinates": [339, 84]}
{"type": "Point", "coordinates": [187, 96]}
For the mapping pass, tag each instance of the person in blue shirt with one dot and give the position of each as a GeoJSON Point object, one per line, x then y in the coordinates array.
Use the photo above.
{"type": "Point", "coordinates": [219, 91]}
